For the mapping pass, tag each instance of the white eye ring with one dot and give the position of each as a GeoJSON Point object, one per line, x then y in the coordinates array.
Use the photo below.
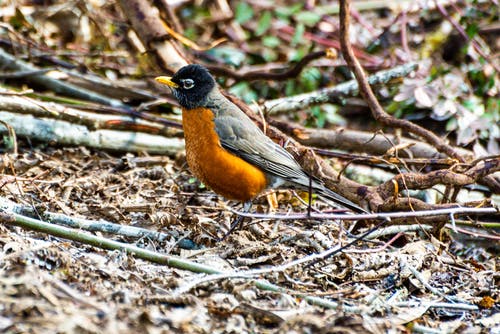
{"type": "Point", "coordinates": [187, 83]}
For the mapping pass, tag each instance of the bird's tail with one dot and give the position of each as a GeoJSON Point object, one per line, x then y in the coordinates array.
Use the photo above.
{"type": "Point", "coordinates": [338, 199]}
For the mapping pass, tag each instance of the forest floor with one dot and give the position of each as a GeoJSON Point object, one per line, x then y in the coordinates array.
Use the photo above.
{"type": "Point", "coordinates": [401, 278]}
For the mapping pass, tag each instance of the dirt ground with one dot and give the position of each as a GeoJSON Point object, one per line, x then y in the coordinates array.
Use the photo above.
{"type": "Point", "coordinates": [402, 278]}
{"type": "Point", "coordinates": [51, 285]}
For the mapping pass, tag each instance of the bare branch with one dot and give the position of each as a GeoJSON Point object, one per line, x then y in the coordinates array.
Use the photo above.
{"type": "Point", "coordinates": [377, 111]}
{"type": "Point", "coordinates": [333, 94]}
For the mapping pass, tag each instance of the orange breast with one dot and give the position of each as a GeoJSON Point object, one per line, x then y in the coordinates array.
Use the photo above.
{"type": "Point", "coordinates": [222, 171]}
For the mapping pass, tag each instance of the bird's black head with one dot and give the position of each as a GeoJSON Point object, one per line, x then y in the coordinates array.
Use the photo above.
{"type": "Point", "coordinates": [190, 85]}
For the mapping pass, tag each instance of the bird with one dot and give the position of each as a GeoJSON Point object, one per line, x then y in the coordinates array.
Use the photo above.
{"type": "Point", "coordinates": [227, 151]}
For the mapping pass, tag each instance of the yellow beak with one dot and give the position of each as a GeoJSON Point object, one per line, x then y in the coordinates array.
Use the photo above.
{"type": "Point", "coordinates": [167, 81]}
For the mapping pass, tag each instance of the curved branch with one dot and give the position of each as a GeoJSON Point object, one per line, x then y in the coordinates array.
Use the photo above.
{"type": "Point", "coordinates": [361, 141]}
{"type": "Point", "coordinates": [334, 94]}
{"type": "Point", "coordinates": [446, 177]}
{"type": "Point", "coordinates": [377, 111]}
{"type": "Point", "coordinates": [38, 77]}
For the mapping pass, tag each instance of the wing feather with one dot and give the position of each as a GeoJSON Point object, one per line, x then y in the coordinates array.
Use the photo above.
{"type": "Point", "coordinates": [246, 140]}
{"type": "Point", "coordinates": [249, 144]}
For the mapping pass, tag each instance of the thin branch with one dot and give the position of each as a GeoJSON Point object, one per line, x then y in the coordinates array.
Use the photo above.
{"type": "Point", "coordinates": [377, 111]}
{"type": "Point", "coordinates": [475, 234]}
{"type": "Point", "coordinates": [333, 94]}
{"type": "Point", "coordinates": [163, 259]}
{"type": "Point", "coordinates": [390, 230]}
{"type": "Point", "coordinates": [447, 177]}
{"type": "Point", "coordinates": [76, 235]}
{"type": "Point", "coordinates": [94, 225]}
{"type": "Point", "coordinates": [452, 306]}
{"type": "Point", "coordinates": [50, 130]}
{"type": "Point", "coordinates": [308, 259]}
{"type": "Point", "coordinates": [378, 216]}
{"type": "Point", "coordinates": [10, 62]}
{"type": "Point", "coordinates": [423, 281]}
{"type": "Point", "coordinates": [367, 142]}
{"type": "Point", "coordinates": [462, 33]}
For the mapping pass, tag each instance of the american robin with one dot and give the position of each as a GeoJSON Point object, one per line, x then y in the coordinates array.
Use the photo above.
{"type": "Point", "coordinates": [227, 151]}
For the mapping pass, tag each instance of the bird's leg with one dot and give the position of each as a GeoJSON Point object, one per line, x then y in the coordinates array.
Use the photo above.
{"type": "Point", "coordinates": [239, 219]}
{"type": "Point", "coordinates": [310, 191]}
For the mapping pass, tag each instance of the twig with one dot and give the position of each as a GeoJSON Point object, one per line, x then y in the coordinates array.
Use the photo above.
{"type": "Point", "coordinates": [462, 33]}
{"type": "Point", "coordinates": [93, 225]}
{"type": "Point", "coordinates": [422, 280]}
{"type": "Point", "coordinates": [367, 142]}
{"type": "Point", "coordinates": [377, 111]}
{"type": "Point", "coordinates": [390, 230]}
{"type": "Point", "coordinates": [388, 162]}
{"type": "Point", "coordinates": [387, 215]}
{"type": "Point", "coordinates": [10, 62]}
{"type": "Point", "coordinates": [23, 74]}
{"type": "Point", "coordinates": [109, 87]}
{"type": "Point", "coordinates": [474, 234]}
{"type": "Point", "coordinates": [333, 94]}
{"type": "Point", "coordinates": [171, 261]}
{"type": "Point", "coordinates": [75, 235]}
{"type": "Point", "coordinates": [309, 260]}
{"type": "Point", "coordinates": [62, 132]}
{"type": "Point", "coordinates": [418, 328]}
{"type": "Point", "coordinates": [454, 306]}
{"type": "Point", "coordinates": [381, 248]}
{"type": "Point", "coordinates": [447, 177]}
{"type": "Point", "coordinates": [137, 114]}
{"type": "Point", "coordinates": [404, 37]}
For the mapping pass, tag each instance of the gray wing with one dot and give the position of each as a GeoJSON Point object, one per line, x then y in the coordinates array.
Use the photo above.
{"type": "Point", "coordinates": [250, 144]}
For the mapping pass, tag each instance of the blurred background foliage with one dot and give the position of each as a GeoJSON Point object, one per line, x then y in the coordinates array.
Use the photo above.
{"type": "Point", "coordinates": [455, 92]}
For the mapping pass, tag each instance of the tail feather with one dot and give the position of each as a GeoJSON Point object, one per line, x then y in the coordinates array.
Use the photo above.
{"type": "Point", "coordinates": [338, 199]}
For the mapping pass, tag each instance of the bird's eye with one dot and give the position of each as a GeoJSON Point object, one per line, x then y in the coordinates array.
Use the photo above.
{"type": "Point", "coordinates": [187, 83]}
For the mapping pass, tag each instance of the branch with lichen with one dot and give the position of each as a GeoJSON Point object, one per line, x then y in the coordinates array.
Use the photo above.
{"type": "Point", "coordinates": [333, 94]}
